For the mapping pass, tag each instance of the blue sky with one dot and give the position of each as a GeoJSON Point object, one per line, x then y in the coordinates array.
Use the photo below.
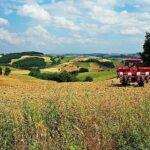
{"type": "Point", "coordinates": [73, 26]}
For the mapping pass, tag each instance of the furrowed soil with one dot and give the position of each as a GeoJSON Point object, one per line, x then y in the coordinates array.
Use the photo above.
{"type": "Point", "coordinates": [105, 109]}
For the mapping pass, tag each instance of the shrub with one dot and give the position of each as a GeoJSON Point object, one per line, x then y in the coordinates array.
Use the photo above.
{"type": "Point", "coordinates": [7, 71]}
{"type": "Point", "coordinates": [59, 77]}
{"type": "Point", "coordinates": [45, 76]}
{"type": "Point", "coordinates": [49, 76]}
{"type": "Point", "coordinates": [66, 77]}
{"type": "Point", "coordinates": [88, 79]}
{"type": "Point", "coordinates": [81, 70]}
{"type": "Point", "coordinates": [55, 60]}
{"type": "Point", "coordinates": [1, 71]}
{"type": "Point", "coordinates": [35, 72]}
{"type": "Point", "coordinates": [74, 72]}
{"type": "Point", "coordinates": [107, 64]}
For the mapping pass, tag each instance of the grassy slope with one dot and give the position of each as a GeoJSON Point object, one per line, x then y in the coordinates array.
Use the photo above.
{"type": "Point", "coordinates": [67, 59]}
{"type": "Point", "coordinates": [93, 68]}
{"type": "Point", "coordinates": [117, 61]}
{"type": "Point", "coordinates": [98, 76]}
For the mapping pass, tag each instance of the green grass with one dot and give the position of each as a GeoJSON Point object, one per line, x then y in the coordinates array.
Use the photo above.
{"type": "Point", "coordinates": [98, 76]}
{"type": "Point", "coordinates": [67, 59]}
{"type": "Point", "coordinates": [117, 61]}
{"type": "Point", "coordinates": [83, 64]}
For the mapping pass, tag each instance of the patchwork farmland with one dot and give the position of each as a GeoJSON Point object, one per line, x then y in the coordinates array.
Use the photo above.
{"type": "Point", "coordinates": [41, 114]}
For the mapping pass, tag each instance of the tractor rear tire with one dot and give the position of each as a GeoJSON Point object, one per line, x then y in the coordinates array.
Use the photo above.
{"type": "Point", "coordinates": [124, 83]}
{"type": "Point", "coordinates": [141, 84]}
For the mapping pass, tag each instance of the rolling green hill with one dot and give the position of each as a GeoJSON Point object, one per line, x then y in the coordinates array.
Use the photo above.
{"type": "Point", "coordinates": [98, 68]}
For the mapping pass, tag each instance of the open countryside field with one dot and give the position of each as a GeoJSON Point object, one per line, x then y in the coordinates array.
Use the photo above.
{"type": "Point", "coordinates": [38, 114]}
{"type": "Point", "coordinates": [98, 115]}
{"type": "Point", "coordinates": [74, 75]}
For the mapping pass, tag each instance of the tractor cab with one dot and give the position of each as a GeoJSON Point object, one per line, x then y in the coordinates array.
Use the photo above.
{"type": "Point", "coordinates": [133, 63]}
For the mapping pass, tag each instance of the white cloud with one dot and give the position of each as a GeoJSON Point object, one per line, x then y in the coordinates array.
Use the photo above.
{"type": "Point", "coordinates": [86, 21]}
{"type": "Point", "coordinates": [9, 37]}
{"type": "Point", "coordinates": [34, 11]}
{"type": "Point", "coordinates": [124, 22]}
{"type": "Point", "coordinates": [63, 22]}
{"type": "Point", "coordinates": [41, 37]}
{"type": "Point", "coordinates": [3, 21]}
{"type": "Point", "coordinates": [37, 36]}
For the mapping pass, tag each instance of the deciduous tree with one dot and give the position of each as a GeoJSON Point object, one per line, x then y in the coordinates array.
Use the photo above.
{"type": "Point", "coordinates": [146, 54]}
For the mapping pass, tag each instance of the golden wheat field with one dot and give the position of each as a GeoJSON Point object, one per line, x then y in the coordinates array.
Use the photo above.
{"type": "Point", "coordinates": [100, 112]}
{"type": "Point", "coordinates": [15, 90]}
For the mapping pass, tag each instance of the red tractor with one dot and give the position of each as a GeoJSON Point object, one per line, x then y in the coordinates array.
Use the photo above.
{"type": "Point", "coordinates": [133, 71]}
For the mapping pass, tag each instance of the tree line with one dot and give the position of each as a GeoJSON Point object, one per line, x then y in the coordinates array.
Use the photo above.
{"type": "Point", "coordinates": [58, 77]}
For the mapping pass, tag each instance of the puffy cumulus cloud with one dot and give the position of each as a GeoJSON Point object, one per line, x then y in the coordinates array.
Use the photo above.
{"type": "Point", "coordinates": [34, 11]}
{"type": "Point", "coordinates": [97, 16]}
{"type": "Point", "coordinates": [38, 13]}
{"type": "Point", "coordinates": [39, 37]}
{"type": "Point", "coordinates": [3, 21]}
{"type": "Point", "coordinates": [42, 37]}
{"type": "Point", "coordinates": [74, 15]}
{"type": "Point", "coordinates": [122, 22]}
{"type": "Point", "coordinates": [63, 22]}
{"type": "Point", "coordinates": [8, 37]}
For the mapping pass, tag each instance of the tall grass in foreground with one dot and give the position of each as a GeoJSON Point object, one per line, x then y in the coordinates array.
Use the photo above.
{"type": "Point", "coordinates": [54, 127]}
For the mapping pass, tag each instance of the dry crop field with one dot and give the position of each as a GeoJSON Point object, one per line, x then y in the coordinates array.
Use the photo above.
{"type": "Point", "coordinates": [37, 114]}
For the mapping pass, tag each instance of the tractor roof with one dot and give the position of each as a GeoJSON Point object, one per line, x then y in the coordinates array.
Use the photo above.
{"type": "Point", "coordinates": [134, 60]}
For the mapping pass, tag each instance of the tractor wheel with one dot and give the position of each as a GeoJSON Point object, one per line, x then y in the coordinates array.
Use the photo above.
{"type": "Point", "coordinates": [124, 83]}
{"type": "Point", "coordinates": [147, 80]}
{"type": "Point", "coordinates": [141, 84]}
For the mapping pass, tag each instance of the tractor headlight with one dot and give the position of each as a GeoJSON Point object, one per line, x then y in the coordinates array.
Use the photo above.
{"type": "Point", "coordinates": [147, 73]}
{"type": "Point", "coordinates": [121, 73]}
{"type": "Point", "coordinates": [138, 73]}
{"type": "Point", "coordinates": [129, 74]}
